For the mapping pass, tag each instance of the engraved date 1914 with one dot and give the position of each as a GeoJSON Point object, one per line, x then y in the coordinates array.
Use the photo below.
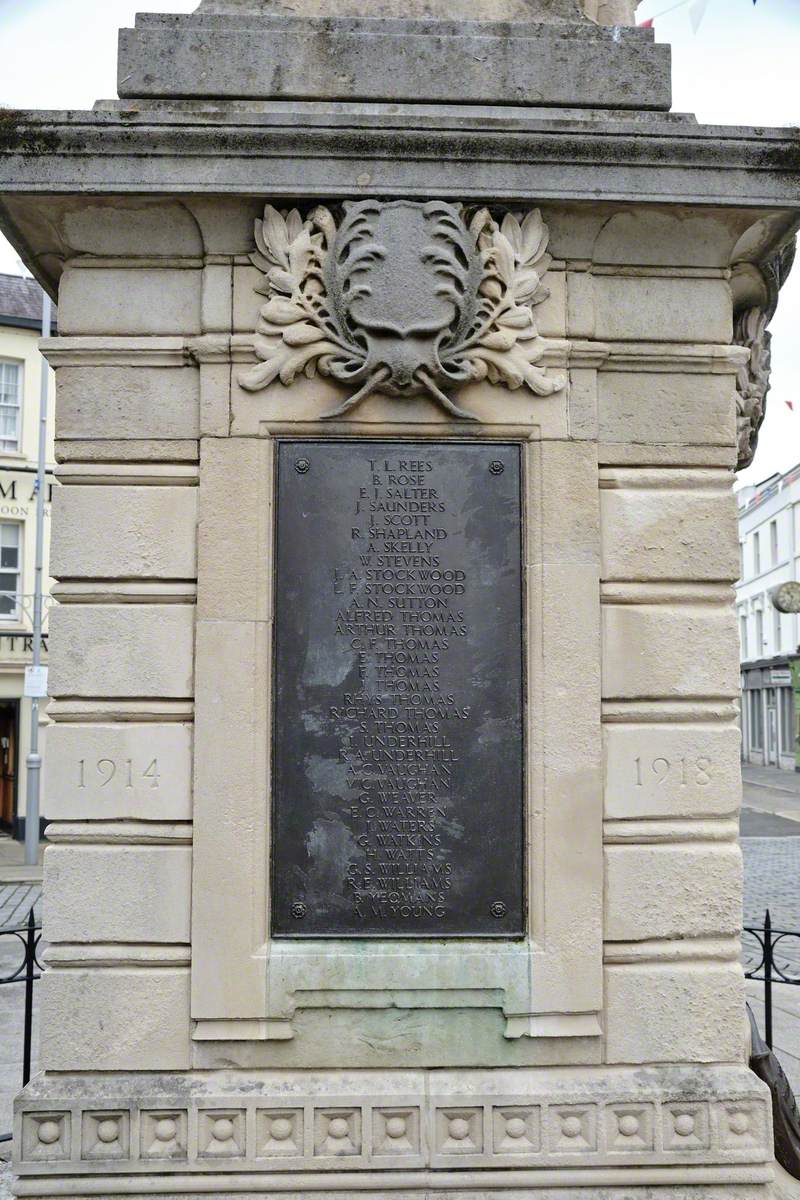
{"type": "Point", "coordinates": [127, 773]}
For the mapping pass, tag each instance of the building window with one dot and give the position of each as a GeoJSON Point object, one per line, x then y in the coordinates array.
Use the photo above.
{"type": "Point", "coordinates": [743, 633]}
{"type": "Point", "coordinates": [10, 405]}
{"type": "Point", "coordinates": [776, 628]}
{"type": "Point", "coordinates": [10, 570]}
{"type": "Point", "coordinates": [787, 721]}
{"type": "Point", "coordinates": [756, 720]}
{"type": "Point", "coordinates": [756, 554]}
{"type": "Point", "coordinates": [759, 633]}
{"type": "Point", "coordinates": [773, 540]}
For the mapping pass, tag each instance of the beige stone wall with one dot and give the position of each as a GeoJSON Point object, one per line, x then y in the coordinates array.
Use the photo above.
{"type": "Point", "coordinates": [165, 621]}
{"type": "Point", "coordinates": [118, 877]}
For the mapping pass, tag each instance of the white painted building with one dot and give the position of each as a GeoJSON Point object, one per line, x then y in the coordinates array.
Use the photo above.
{"type": "Point", "coordinates": [21, 367]}
{"type": "Point", "coordinates": [769, 540]}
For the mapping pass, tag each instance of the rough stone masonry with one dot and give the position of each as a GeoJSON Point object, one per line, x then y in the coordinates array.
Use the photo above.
{"type": "Point", "coordinates": [394, 776]}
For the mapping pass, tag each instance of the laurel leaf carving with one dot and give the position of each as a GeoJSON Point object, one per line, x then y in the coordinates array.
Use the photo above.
{"type": "Point", "coordinates": [469, 314]}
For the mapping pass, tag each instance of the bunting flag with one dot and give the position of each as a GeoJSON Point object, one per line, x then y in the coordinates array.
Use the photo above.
{"type": "Point", "coordinates": [648, 24]}
{"type": "Point", "coordinates": [696, 13]}
{"type": "Point", "coordinates": [697, 10]}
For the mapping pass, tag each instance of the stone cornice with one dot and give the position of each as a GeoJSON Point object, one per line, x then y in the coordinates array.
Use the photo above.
{"type": "Point", "coordinates": [355, 150]}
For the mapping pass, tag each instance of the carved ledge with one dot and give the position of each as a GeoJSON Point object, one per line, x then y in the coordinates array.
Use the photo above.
{"type": "Point", "coordinates": [680, 1119]}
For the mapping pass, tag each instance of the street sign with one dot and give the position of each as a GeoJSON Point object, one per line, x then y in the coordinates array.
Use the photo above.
{"type": "Point", "coordinates": [36, 682]}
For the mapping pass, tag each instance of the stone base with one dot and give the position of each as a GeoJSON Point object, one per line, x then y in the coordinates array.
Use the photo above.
{"type": "Point", "coordinates": [257, 56]}
{"type": "Point", "coordinates": [704, 1132]}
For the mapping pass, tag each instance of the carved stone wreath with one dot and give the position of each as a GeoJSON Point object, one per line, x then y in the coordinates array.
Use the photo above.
{"type": "Point", "coordinates": [406, 298]}
{"type": "Point", "coordinates": [750, 331]}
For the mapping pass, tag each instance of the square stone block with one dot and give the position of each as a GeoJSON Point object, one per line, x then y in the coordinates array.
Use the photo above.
{"type": "Point", "coordinates": [395, 1131]}
{"type": "Point", "coordinates": [46, 1136]}
{"type": "Point", "coordinates": [630, 1127]}
{"type": "Point", "coordinates": [164, 1133]}
{"type": "Point", "coordinates": [221, 1133]}
{"type": "Point", "coordinates": [658, 308]}
{"type": "Point", "coordinates": [279, 1132]}
{"type": "Point", "coordinates": [665, 533]}
{"type": "Point", "coordinates": [459, 1130]}
{"type": "Point", "coordinates": [672, 891]}
{"type": "Point", "coordinates": [516, 1130]}
{"type": "Point", "coordinates": [127, 1019]}
{"type": "Point", "coordinates": [742, 1125]}
{"type": "Point", "coordinates": [671, 771]}
{"type": "Point", "coordinates": [686, 1126]}
{"type": "Point", "coordinates": [107, 772]}
{"type": "Point", "coordinates": [124, 403]}
{"type": "Point", "coordinates": [654, 651]}
{"type": "Point", "coordinates": [674, 1012]}
{"type": "Point", "coordinates": [118, 894]}
{"type": "Point", "coordinates": [106, 1135]}
{"type": "Point", "coordinates": [572, 1128]}
{"type": "Point", "coordinates": [666, 408]}
{"type": "Point", "coordinates": [122, 650]}
{"type": "Point", "coordinates": [121, 532]}
{"type": "Point", "coordinates": [124, 302]}
{"type": "Point", "coordinates": [337, 1131]}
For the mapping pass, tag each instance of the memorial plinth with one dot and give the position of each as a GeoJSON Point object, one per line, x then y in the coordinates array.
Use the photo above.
{"type": "Point", "coordinates": [399, 399]}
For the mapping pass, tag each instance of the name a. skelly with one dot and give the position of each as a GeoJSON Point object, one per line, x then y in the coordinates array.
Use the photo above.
{"type": "Point", "coordinates": [400, 657]}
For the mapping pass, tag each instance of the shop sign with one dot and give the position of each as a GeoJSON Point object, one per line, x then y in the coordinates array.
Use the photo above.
{"type": "Point", "coordinates": [781, 676]}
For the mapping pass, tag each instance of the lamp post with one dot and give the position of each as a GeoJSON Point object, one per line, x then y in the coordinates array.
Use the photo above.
{"type": "Point", "coordinates": [33, 761]}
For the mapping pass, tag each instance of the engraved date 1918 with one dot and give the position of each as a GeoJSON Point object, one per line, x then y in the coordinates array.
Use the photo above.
{"type": "Point", "coordinates": [125, 771]}
{"type": "Point", "coordinates": [686, 772]}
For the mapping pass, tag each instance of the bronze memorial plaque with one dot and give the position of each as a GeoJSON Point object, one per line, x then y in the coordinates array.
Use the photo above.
{"type": "Point", "coordinates": [398, 714]}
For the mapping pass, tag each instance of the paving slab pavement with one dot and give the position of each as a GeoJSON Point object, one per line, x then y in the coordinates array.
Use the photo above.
{"type": "Point", "coordinates": [768, 790]}
{"type": "Point", "coordinates": [13, 868]}
{"type": "Point", "coordinates": [785, 1025]}
{"type": "Point", "coordinates": [770, 832]}
{"type": "Point", "coordinates": [788, 781]}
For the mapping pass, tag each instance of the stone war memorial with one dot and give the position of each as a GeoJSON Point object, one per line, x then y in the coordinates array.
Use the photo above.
{"type": "Point", "coordinates": [407, 351]}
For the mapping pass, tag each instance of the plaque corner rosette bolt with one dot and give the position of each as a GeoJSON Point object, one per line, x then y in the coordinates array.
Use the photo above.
{"type": "Point", "coordinates": [499, 909]}
{"type": "Point", "coordinates": [302, 466]}
{"type": "Point", "coordinates": [298, 910]}
{"type": "Point", "coordinates": [496, 467]}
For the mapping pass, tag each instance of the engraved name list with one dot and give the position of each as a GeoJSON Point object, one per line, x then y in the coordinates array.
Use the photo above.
{"type": "Point", "coordinates": [398, 714]}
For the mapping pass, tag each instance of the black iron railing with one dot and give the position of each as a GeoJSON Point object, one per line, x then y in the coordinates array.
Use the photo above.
{"type": "Point", "coordinates": [27, 971]}
{"type": "Point", "coordinates": [774, 958]}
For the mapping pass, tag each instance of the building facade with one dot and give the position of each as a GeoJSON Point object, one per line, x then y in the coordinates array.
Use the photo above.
{"type": "Point", "coordinates": [769, 541]}
{"type": "Point", "coordinates": [20, 387]}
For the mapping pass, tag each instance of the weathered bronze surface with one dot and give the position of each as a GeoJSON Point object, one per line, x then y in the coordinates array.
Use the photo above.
{"type": "Point", "coordinates": [398, 717]}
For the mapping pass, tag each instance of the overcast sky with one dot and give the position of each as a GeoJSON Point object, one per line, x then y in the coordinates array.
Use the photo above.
{"type": "Point", "coordinates": [741, 67]}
